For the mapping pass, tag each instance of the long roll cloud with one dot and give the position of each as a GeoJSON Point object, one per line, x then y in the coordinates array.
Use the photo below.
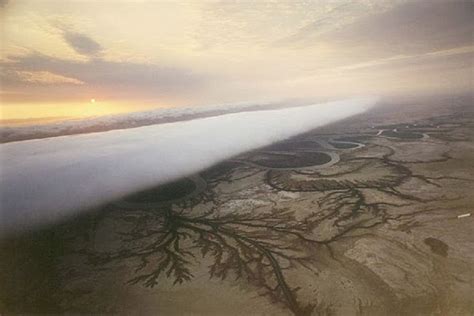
{"type": "Point", "coordinates": [43, 181]}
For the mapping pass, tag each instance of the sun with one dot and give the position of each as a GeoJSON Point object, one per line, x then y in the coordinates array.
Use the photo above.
{"type": "Point", "coordinates": [92, 100]}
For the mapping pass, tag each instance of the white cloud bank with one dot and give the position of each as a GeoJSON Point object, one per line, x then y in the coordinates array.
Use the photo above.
{"type": "Point", "coordinates": [129, 120]}
{"type": "Point", "coordinates": [46, 180]}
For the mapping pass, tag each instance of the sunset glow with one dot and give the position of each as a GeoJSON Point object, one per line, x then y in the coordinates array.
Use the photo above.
{"type": "Point", "coordinates": [31, 112]}
{"type": "Point", "coordinates": [186, 53]}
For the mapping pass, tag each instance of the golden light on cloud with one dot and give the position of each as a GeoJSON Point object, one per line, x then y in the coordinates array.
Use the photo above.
{"type": "Point", "coordinates": [46, 77]}
{"type": "Point", "coordinates": [35, 111]}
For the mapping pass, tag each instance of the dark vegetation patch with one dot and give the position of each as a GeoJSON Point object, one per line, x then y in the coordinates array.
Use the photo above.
{"type": "Point", "coordinates": [294, 160]}
{"type": "Point", "coordinates": [402, 135]}
{"type": "Point", "coordinates": [293, 146]}
{"type": "Point", "coordinates": [342, 145]}
{"type": "Point", "coordinates": [437, 246]}
{"type": "Point", "coordinates": [355, 139]}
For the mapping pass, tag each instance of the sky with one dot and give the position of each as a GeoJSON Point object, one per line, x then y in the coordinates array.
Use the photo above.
{"type": "Point", "coordinates": [65, 58]}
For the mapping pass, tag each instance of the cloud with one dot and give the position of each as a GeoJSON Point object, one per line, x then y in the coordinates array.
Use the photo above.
{"type": "Point", "coordinates": [413, 27]}
{"type": "Point", "coordinates": [82, 44]}
{"type": "Point", "coordinates": [336, 16]}
{"type": "Point", "coordinates": [129, 120]}
{"type": "Point", "coordinates": [95, 75]}
{"type": "Point", "coordinates": [120, 79]}
{"type": "Point", "coordinates": [45, 77]}
{"type": "Point", "coordinates": [437, 58]}
{"type": "Point", "coordinates": [44, 181]}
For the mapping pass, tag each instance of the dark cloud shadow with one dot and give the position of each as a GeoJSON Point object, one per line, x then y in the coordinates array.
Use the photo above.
{"type": "Point", "coordinates": [82, 44]}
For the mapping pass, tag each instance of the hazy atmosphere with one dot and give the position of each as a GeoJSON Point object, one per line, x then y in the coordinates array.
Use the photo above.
{"type": "Point", "coordinates": [88, 58]}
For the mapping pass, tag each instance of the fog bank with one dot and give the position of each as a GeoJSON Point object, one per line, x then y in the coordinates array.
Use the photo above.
{"type": "Point", "coordinates": [46, 180]}
{"type": "Point", "coordinates": [128, 120]}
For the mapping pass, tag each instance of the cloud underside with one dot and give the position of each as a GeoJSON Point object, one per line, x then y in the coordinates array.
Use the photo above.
{"type": "Point", "coordinates": [119, 78]}
{"type": "Point", "coordinates": [414, 27]}
{"type": "Point", "coordinates": [96, 74]}
{"type": "Point", "coordinates": [82, 44]}
{"type": "Point", "coordinates": [45, 77]}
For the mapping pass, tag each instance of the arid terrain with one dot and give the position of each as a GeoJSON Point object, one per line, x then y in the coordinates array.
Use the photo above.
{"type": "Point", "coordinates": [367, 216]}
